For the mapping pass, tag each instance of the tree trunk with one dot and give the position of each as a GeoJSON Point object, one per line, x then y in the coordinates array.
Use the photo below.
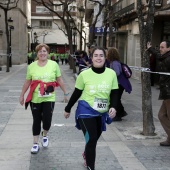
{"type": "Point", "coordinates": [110, 33]}
{"type": "Point", "coordinates": [105, 36]}
{"type": "Point", "coordinates": [145, 29]}
{"type": "Point", "coordinates": [71, 61]}
{"type": "Point", "coordinates": [92, 34]}
{"type": "Point", "coordinates": [7, 38]}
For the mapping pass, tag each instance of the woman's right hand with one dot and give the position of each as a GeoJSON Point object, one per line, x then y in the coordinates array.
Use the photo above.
{"type": "Point", "coordinates": [148, 45]}
{"type": "Point", "coordinates": [66, 115]}
{"type": "Point", "coordinates": [21, 100]}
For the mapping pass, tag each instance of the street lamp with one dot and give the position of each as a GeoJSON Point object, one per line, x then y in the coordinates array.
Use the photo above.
{"type": "Point", "coordinates": [81, 15]}
{"type": "Point", "coordinates": [35, 40]}
{"type": "Point", "coordinates": [11, 27]}
{"type": "Point", "coordinates": [29, 28]}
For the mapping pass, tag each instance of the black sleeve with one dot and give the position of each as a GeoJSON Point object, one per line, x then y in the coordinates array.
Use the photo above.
{"type": "Point", "coordinates": [73, 99]}
{"type": "Point", "coordinates": [155, 53]}
{"type": "Point", "coordinates": [114, 96]}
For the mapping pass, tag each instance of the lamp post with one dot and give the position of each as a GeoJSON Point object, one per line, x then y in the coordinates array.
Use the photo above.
{"type": "Point", "coordinates": [35, 40]}
{"type": "Point", "coordinates": [29, 28]}
{"type": "Point", "coordinates": [11, 27]}
{"type": "Point", "coordinates": [81, 15]}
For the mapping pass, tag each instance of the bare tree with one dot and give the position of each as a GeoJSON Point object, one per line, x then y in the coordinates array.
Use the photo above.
{"type": "Point", "coordinates": [105, 21]}
{"type": "Point", "coordinates": [66, 18]}
{"type": "Point", "coordinates": [146, 20]}
{"type": "Point", "coordinates": [7, 5]}
{"type": "Point", "coordinates": [95, 19]}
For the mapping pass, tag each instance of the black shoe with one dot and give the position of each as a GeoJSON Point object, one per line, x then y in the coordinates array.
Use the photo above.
{"type": "Point", "coordinates": [165, 143]}
{"type": "Point", "coordinates": [124, 114]}
{"type": "Point", "coordinates": [117, 119]}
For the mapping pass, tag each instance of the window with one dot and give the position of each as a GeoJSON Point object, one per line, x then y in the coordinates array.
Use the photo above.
{"type": "Point", "coordinates": [72, 8]}
{"type": "Point", "coordinates": [58, 8]}
{"type": "Point", "coordinates": [46, 24]}
{"type": "Point", "coordinates": [166, 31]}
{"type": "Point", "coordinates": [41, 9]}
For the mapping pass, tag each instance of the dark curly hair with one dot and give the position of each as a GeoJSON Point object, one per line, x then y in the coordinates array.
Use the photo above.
{"type": "Point", "coordinates": [99, 48]}
{"type": "Point", "coordinates": [113, 54]}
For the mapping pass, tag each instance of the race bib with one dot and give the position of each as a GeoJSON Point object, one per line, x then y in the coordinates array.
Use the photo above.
{"type": "Point", "coordinates": [100, 104]}
{"type": "Point", "coordinates": [46, 94]}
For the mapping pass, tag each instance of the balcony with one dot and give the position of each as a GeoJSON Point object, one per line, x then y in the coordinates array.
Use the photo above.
{"type": "Point", "coordinates": [118, 11]}
{"type": "Point", "coordinates": [122, 8]}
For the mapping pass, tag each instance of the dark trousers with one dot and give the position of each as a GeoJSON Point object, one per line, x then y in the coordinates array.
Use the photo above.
{"type": "Point", "coordinates": [152, 79]}
{"type": "Point", "coordinates": [164, 117]}
{"type": "Point", "coordinates": [120, 108]}
{"type": "Point", "coordinates": [91, 128]}
{"type": "Point", "coordinates": [62, 61]}
{"type": "Point", "coordinates": [41, 112]}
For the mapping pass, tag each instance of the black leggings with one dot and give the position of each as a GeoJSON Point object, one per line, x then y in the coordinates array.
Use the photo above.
{"type": "Point", "coordinates": [91, 128]}
{"type": "Point", "coordinates": [41, 112]}
{"type": "Point", "coordinates": [120, 108]}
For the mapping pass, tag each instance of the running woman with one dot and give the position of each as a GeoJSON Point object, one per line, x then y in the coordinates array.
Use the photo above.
{"type": "Point", "coordinates": [97, 89]}
{"type": "Point", "coordinates": [42, 77]}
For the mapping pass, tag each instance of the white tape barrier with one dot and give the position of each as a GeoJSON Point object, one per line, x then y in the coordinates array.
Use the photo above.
{"type": "Point", "coordinates": [73, 56]}
{"type": "Point", "coordinates": [142, 69]}
{"type": "Point", "coordinates": [83, 66]}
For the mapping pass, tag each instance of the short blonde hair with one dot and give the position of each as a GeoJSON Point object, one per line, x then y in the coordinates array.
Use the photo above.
{"type": "Point", "coordinates": [40, 46]}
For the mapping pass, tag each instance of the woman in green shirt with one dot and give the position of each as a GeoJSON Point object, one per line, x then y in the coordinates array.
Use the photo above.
{"type": "Point", "coordinates": [96, 88]}
{"type": "Point", "coordinates": [42, 77]}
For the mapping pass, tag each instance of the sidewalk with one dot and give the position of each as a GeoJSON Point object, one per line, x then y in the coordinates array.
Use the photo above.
{"type": "Point", "coordinates": [121, 147]}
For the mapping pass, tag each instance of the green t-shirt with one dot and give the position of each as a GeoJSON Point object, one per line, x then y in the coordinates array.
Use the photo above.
{"type": "Point", "coordinates": [56, 56]}
{"type": "Point", "coordinates": [62, 56]}
{"type": "Point", "coordinates": [52, 56]}
{"type": "Point", "coordinates": [66, 56]}
{"type": "Point", "coordinates": [48, 73]}
{"type": "Point", "coordinates": [97, 88]}
{"type": "Point", "coordinates": [29, 54]}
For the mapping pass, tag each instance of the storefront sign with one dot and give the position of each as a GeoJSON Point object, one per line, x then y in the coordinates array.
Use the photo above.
{"type": "Point", "coordinates": [101, 29]}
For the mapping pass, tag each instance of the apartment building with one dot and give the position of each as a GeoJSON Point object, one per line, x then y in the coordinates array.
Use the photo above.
{"type": "Point", "coordinates": [48, 28]}
{"type": "Point", "coordinates": [19, 35]}
{"type": "Point", "coordinates": [126, 35]}
{"type": "Point", "coordinates": [127, 38]}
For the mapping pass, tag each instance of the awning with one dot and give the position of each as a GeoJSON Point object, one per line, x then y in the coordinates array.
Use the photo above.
{"type": "Point", "coordinates": [51, 36]}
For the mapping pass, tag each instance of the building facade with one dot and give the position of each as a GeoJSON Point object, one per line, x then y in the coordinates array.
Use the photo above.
{"type": "Point", "coordinates": [19, 35]}
{"type": "Point", "coordinates": [48, 28]}
{"type": "Point", "coordinates": [126, 35]}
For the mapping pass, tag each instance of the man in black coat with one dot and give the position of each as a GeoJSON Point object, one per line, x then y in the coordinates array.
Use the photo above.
{"type": "Point", "coordinates": [163, 59]}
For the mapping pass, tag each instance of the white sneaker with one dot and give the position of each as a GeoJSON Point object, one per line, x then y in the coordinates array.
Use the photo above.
{"type": "Point", "coordinates": [45, 141]}
{"type": "Point", "coordinates": [35, 148]}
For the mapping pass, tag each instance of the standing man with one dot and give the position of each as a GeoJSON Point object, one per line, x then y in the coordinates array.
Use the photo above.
{"type": "Point", "coordinates": [164, 66]}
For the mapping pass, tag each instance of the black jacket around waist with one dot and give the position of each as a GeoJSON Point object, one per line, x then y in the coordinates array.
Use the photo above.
{"type": "Point", "coordinates": [164, 66]}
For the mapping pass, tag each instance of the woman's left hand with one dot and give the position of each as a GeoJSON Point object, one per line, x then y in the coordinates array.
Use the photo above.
{"type": "Point", "coordinates": [112, 112]}
{"type": "Point", "coordinates": [65, 99]}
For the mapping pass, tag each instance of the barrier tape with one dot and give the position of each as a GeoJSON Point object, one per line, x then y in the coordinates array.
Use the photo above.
{"type": "Point", "coordinates": [147, 70]}
{"type": "Point", "coordinates": [142, 69]}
